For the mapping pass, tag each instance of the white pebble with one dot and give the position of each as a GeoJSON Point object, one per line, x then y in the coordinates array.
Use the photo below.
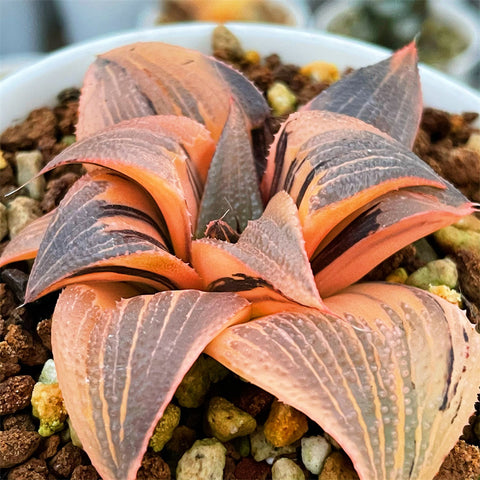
{"type": "Point", "coordinates": [28, 165]}
{"type": "Point", "coordinates": [49, 372]}
{"type": "Point", "coordinates": [286, 469]}
{"type": "Point", "coordinates": [315, 450]}
{"type": "Point", "coordinates": [204, 461]}
{"type": "Point", "coordinates": [262, 449]}
{"type": "Point", "coordinates": [20, 212]}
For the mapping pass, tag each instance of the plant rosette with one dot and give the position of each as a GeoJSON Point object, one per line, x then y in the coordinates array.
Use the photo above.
{"type": "Point", "coordinates": [173, 141]}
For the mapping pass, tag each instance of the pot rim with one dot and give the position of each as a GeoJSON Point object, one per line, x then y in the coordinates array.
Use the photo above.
{"type": "Point", "coordinates": [38, 84]}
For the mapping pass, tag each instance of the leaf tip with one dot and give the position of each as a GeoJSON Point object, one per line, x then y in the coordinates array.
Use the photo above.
{"type": "Point", "coordinates": [408, 55]}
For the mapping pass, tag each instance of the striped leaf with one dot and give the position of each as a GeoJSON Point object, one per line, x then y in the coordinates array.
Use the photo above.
{"type": "Point", "coordinates": [155, 78]}
{"type": "Point", "coordinates": [341, 188]}
{"type": "Point", "coordinates": [384, 227]}
{"type": "Point", "coordinates": [25, 245]}
{"type": "Point", "coordinates": [333, 166]}
{"type": "Point", "coordinates": [393, 378]}
{"type": "Point", "coordinates": [119, 362]}
{"type": "Point", "coordinates": [386, 95]}
{"type": "Point", "coordinates": [106, 228]}
{"type": "Point", "coordinates": [268, 264]}
{"type": "Point", "coordinates": [168, 156]}
{"type": "Point", "coordinates": [231, 191]}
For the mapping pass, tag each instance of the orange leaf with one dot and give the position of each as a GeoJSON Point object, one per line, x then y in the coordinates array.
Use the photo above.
{"type": "Point", "coordinates": [268, 265]}
{"type": "Point", "coordinates": [106, 228]}
{"type": "Point", "coordinates": [168, 156]}
{"type": "Point", "coordinates": [333, 165]}
{"type": "Point", "coordinates": [387, 225]}
{"type": "Point", "coordinates": [24, 246]}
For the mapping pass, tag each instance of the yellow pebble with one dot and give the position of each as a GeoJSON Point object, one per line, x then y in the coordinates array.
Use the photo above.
{"type": "Point", "coordinates": [253, 57]}
{"type": "Point", "coordinates": [3, 162]}
{"type": "Point", "coordinates": [447, 293]}
{"type": "Point", "coordinates": [399, 275]}
{"type": "Point", "coordinates": [164, 429]}
{"type": "Point", "coordinates": [48, 407]}
{"type": "Point", "coordinates": [225, 10]}
{"type": "Point", "coordinates": [457, 123]}
{"type": "Point", "coordinates": [338, 467]}
{"type": "Point", "coordinates": [281, 99]}
{"type": "Point", "coordinates": [470, 222]}
{"type": "Point", "coordinates": [321, 72]}
{"type": "Point", "coordinates": [284, 425]}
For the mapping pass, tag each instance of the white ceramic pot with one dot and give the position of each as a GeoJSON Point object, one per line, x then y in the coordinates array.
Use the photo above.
{"type": "Point", "coordinates": [39, 84]}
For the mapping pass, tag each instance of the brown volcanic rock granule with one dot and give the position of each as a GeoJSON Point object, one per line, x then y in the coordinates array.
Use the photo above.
{"type": "Point", "coordinates": [15, 393]}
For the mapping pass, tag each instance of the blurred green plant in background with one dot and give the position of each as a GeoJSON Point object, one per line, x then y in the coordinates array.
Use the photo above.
{"type": "Point", "coordinates": [393, 23]}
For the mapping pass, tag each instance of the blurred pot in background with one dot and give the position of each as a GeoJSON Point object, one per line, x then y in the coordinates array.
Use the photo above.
{"type": "Point", "coordinates": [285, 12]}
{"type": "Point", "coordinates": [447, 32]}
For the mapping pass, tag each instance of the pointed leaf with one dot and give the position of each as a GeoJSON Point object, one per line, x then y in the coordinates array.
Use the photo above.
{"type": "Point", "coordinates": [119, 363]}
{"type": "Point", "coordinates": [268, 264]}
{"type": "Point", "coordinates": [156, 78]}
{"type": "Point", "coordinates": [168, 156]}
{"type": "Point", "coordinates": [106, 228]}
{"type": "Point", "coordinates": [24, 246]}
{"type": "Point", "coordinates": [387, 95]}
{"type": "Point", "coordinates": [368, 378]}
{"type": "Point", "coordinates": [333, 165]}
{"type": "Point", "coordinates": [389, 224]}
{"type": "Point", "coordinates": [245, 92]}
{"type": "Point", "coordinates": [231, 191]}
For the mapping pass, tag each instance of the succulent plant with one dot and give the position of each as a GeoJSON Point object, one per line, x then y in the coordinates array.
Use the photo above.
{"type": "Point", "coordinates": [172, 141]}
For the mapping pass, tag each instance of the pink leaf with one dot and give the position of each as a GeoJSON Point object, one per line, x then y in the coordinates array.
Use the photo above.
{"type": "Point", "coordinates": [155, 78]}
{"type": "Point", "coordinates": [391, 379]}
{"type": "Point", "coordinates": [119, 362]}
{"type": "Point", "coordinates": [387, 95]}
